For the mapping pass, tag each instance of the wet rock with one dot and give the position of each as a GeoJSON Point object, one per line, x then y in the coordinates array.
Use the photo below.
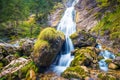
{"type": "Point", "coordinates": [47, 47]}
{"type": "Point", "coordinates": [83, 39]}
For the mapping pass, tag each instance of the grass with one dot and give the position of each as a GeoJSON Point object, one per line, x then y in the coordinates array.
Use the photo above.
{"type": "Point", "coordinates": [111, 23]}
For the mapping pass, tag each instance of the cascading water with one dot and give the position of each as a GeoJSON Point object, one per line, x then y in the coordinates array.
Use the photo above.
{"type": "Point", "coordinates": [68, 26]}
{"type": "Point", "coordinates": [107, 55]}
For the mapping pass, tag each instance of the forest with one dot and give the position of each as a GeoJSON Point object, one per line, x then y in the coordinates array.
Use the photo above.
{"type": "Point", "coordinates": [59, 39]}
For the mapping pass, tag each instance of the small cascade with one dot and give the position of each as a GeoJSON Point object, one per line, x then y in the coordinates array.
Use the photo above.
{"type": "Point", "coordinates": [107, 55]}
{"type": "Point", "coordinates": [68, 26]}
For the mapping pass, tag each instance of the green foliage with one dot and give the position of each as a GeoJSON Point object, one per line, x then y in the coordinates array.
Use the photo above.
{"type": "Point", "coordinates": [103, 3]}
{"type": "Point", "coordinates": [14, 15]}
{"type": "Point", "coordinates": [108, 3]}
{"type": "Point", "coordinates": [74, 72]}
{"type": "Point", "coordinates": [111, 23]}
{"type": "Point", "coordinates": [29, 66]}
{"type": "Point", "coordinates": [13, 10]}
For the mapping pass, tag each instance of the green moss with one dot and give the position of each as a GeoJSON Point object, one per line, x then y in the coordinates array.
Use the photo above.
{"type": "Point", "coordinates": [50, 34]}
{"type": "Point", "coordinates": [108, 61]}
{"type": "Point", "coordinates": [115, 35]}
{"type": "Point", "coordinates": [74, 35]}
{"type": "Point", "coordinates": [74, 72]}
{"type": "Point", "coordinates": [81, 55]}
{"type": "Point", "coordinates": [1, 65]}
{"type": "Point", "coordinates": [104, 76]}
{"type": "Point", "coordinates": [118, 54]}
{"type": "Point", "coordinates": [39, 45]}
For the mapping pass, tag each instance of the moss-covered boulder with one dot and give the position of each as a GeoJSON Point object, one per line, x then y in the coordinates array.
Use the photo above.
{"type": "Point", "coordinates": [47, 46]}
{"type": "Point", "coordinates": [83, 39]}
{"type": "Point", "coordinates": [74, 72]}
{"type": "Point", "coordinates": [104, 76]}
{"type": "Point", "coordinates": [85, 56]}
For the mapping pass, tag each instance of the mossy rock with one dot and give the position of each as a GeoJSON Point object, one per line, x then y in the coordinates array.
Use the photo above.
{"type": "Point", "coordinates": [108, 61]}
{"type": "Point", "coordinates": [47, 46]}
{"type": "Point", "coordinates": [103, 76]}
{"type": "Point", "coordinates": [85, 56]}
{"type": "Point", "coordinates": [82, 39]}
{"type": "Point", "coordinates": [74, 72]}
{"type": "Point", "coordinates": [50, 34]}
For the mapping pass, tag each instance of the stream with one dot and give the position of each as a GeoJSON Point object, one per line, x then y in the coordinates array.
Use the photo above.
{"type": "Point", "coordinates": [68, 26]}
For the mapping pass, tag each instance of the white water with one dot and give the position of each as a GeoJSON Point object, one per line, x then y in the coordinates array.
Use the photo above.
{"type": "Point", "coordinates": [68, 26]}
{"type": "Point", "coordinates": [107, 55]}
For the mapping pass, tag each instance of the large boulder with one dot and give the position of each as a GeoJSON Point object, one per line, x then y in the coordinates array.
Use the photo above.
{"type": "Point", "coordinates": [83, 39]}
{"type": "Point", "coordinates": [47, 46]}
{"type": "Point", "coordinates": [85, 56]}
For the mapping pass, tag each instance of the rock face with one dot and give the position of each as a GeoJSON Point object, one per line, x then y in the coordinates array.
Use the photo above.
{"type": "Point", "coordinates": [55, 15]}
{"type": "Point", "coordinates": [83, 39]}
{"type": "Point", "coordinates": [47, 47]}
{"type": "Point", "coordinates": [86, 14]}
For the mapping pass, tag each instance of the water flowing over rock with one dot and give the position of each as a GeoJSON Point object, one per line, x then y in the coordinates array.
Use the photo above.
{"type": "Point", "coordinates": [68, 26]}
{"type": "Point", "coordinates": [107, 55]}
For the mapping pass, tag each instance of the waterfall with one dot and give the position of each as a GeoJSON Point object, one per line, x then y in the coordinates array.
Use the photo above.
{"type": "Point", "coordinates": [68, 26]}
{"type": "Point", "coordinates": [107, 55]}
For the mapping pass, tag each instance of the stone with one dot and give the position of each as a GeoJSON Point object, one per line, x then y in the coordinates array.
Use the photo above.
{"type": "Point", "coordinates": [86, 57]}
{"type": "Point", "coordinates": [112, 66]}
{"type": "Point", "coordinates": [47, 47]}
{"type": "Point", "coordinates": [83, 39]}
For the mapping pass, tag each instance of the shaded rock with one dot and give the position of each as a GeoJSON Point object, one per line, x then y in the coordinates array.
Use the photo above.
{"type": "Point", "coordinates": [85, 56]}
{"type": "Point", "coordinates": [76, 72]}
{"type": "Point", "coordinates": [27, 46]}
{"type": "Point", "coordinates": [117, 61]}
{"type": "Point", "coordinates": [47, 47]}
{"type": "Point", "coordinates": [83, 39]}
{"type": "Point", "coordinates": [100, 58]}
